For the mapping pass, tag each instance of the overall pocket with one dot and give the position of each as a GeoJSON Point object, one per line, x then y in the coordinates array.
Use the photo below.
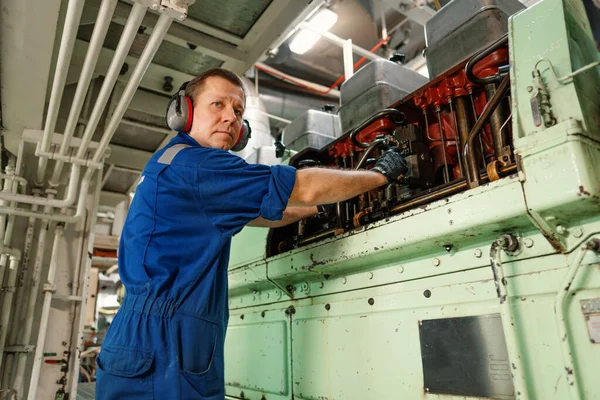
{"type": "Point", "coordinates": [200, 354]}
{"type": "Point", "coordinates": [124, 373]}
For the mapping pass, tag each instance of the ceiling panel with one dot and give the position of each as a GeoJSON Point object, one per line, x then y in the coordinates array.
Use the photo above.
{"type": "Point", "coordinates": [169, 54]}
{"type": "Point", "coordinates": [120, 180]}
{"type": "Point", "coordinates": [233, 16]}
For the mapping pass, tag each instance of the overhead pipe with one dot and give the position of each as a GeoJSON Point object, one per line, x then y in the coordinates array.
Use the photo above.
{"type": "Point", "coordinates": [130, 30]}
{"type": "Point", "coordinates": [73, 16]}
{"type": "Point", "coordinates": [158, 33]}
{"type": "Point", "coordinates": [131, 27]}
{"type": "Point", "coordinates": [103, 20]}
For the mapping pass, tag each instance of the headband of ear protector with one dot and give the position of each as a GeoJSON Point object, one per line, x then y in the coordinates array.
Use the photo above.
{"type": "Point", "coordinates": [180, 113]}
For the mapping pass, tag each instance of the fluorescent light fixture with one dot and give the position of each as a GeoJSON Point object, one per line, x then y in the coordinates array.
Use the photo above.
{"type": "Point", "coordinates": [305, 39]}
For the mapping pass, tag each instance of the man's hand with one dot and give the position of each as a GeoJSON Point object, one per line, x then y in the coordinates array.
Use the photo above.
{"type": "Point", "coordinates": [391, 164]}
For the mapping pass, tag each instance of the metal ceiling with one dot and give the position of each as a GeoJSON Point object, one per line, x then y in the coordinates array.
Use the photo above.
{"type": "Point", "coordinates": [233, 16]}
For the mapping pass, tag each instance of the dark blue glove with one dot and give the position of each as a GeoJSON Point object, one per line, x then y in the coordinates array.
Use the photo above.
{"type": "Point", "coordinates": [391, 164]}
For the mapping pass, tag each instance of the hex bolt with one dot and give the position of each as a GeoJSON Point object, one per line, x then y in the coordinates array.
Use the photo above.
{"type": "Point", "coordinates": [371, 301]}
{"type": "Point", "coordinates": [478, 253]}
{"type": "Point", "coordinates": [427, 293]}
{"type": "Point", "coordinates": [528, 242]}
{"type": "Point", "coordinates": [436, 262]}
{"type": "Point", "coordinates": [578, 232]}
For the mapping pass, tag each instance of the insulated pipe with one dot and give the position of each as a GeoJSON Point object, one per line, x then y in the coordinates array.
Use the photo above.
{"type": "Point", "coordinates": [25, 335]}
{"type": "Point", "coordinates": [103, 20]}
{"type": "Point", "coordinates": [73, 16]}
{"type": "Point", "coordinates": [559, 310]}
{"type": "Point", "coordinates": [129, 32]}
{"type": "Point", "coordinates": [158, 34]}
{"type": "Point", "coordinates": [340, 42]}
{"type": "Point", "coordinates": [7, 304]}
{"type": "Point", "coordinates": [48, 291]}
{"type": "Point", "coordinates": [69, 199]}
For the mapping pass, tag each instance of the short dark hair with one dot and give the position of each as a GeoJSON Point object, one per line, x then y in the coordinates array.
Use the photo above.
{"type": "Point", "coordinates": [195, 86]}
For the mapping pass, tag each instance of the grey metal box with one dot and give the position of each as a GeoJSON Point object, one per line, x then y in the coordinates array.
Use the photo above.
{"type": "Point", "coordinates": [314, 129]}
{"type": "Point", "coordinates": [376, 86]}
{"type": "Point", "coordinates": [462, 28]}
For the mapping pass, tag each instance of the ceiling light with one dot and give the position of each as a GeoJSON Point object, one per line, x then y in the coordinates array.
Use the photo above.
{"type": "Point", "coordinates": [305, 39]}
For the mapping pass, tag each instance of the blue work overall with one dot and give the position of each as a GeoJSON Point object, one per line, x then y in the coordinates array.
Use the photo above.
{"type": "Point", "coordinates": [166, 341]}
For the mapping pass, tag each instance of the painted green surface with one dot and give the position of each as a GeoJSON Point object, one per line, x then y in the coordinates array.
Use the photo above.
{"type": "Point", "coordinates": [336, 344]}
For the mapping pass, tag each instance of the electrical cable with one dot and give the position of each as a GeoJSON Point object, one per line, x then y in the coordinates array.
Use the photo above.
{"type": "Point", "coordinates": [569, 76]}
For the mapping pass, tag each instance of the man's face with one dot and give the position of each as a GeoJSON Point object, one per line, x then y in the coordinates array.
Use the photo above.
{"type": "Point", "coordinates": [218, 111]}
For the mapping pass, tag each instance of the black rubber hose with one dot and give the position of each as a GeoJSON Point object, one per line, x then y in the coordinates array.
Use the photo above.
{"type": "Point", "coordinates": [480, 56]}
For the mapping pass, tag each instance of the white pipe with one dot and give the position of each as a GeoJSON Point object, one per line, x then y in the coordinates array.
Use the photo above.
{"type": "Point", "coordinates": [84, 162]}
{"type": "Point", "coordinates": [7, 304]}
{"type": "Point", "coordinates": [129, 32]}
{"type": "Point", "coordinates": [69, 199]}
{"type": "Point", "coordinates": [43, 330]}
{"type": "Point", "coordinates": [73, 16]}
{"type": "Point", "coordinates": [84, 296]}
{"type": "Point", "coordinates": [348, 59]}
{"type": "Point", "coordinates": [21, 293]}
{"type": "Point", "coordinates": [25, 335]}
{"type": "Point", "coordinates": [156, 38]}
{"type": "Point", "coordinates": [340, 42]}
{"type": "Point", "coordinates": [105, 13]}
{"type": "Point", "coordinates": [8, 177]}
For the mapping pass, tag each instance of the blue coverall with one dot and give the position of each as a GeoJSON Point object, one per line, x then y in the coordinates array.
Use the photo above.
{"type": "Point", "coordinates": [167, 340]}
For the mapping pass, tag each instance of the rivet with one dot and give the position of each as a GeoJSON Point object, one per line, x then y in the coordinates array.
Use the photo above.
{"type": "Point", "coordinates": [427, 293]}
{"type": "Point", "coordinates": [327, 307]}
{"type": "Point", "coordinates": [370, 275]}
{"type": "Point", "coordinates": [578, 232]}
{"type": "Point", "coordinates": [530, 89]}
{"type": "Point", "coordinates": [242, 316]}
{"type": "Point", "coordinates": [344, 280]}
{"type": "Point", "coordinates": [436, 262]}
{"type": "Point", "coordinates": [371, 301]}
{"type": "Point", "coordinates": [478, 253]}
{"type": "Point", "coordinates": [528, 242]}
{"type": "Point", "coordinates": [322, 285]}
{"type": "Point", "coordinates": [401, 269]}
{"type": "Point", "coordinates": [451, 222]}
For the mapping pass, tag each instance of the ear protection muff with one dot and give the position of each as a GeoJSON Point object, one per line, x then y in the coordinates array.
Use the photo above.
{"type": "Point", "coordinates": [245, 135]}
{"type": "Point", "coordinates": [180, 111]}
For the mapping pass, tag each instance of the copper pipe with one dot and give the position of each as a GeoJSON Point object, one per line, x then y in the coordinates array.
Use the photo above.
{"type": "Point", "coordinates": [465, 118]}
{"type": "Point", "coordinates": [443, 192]}
{"type": "Point", "coordinates": [443, 136]}
{"type": "Point", "coordinates": [490, 107]}
{"type": "Point", "coordinates": [457, 141]}
{"type": "Point", "coordinates": [497, 119]}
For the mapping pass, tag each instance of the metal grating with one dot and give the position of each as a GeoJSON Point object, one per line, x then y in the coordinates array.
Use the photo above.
{"type": "Point", "coordinates": [120, 180]}
{"type": "Point", "coordinates": [169, 54]}
{"type": "Point", "coordinates": [232, 16]}
{"type": "Point", "coordinates": [86, 391]}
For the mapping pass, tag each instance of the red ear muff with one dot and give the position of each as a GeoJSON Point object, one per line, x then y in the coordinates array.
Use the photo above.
{"type": "Point", "coordinates": [190, 114]}
{"type": "Point", "coordinates": [243, 137]}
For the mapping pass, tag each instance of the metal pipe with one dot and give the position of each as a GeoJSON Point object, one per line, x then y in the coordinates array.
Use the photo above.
{"type": "Point", "coordinates": [338, 41]}
{"type": "Point", "coordinates": [489, 108]}
{"type": "Point", "coordinates": [43, 329]}
{"type": "Point", "coordinates": [499, 43]}
{"type": "Point", "coordinates": [456, 138]}
{"type": "Point", "coordinates": [103, 20]}
{"type": "Point", "coordinates": [25, 335]}
{"type": "Point", "coordinates": [159, 32]}
{"type": "Point", "coordinates": [129, 32]}
{"type": "Point", "coordinates": [482, 150]}
{"type": "Point", "coordinates": [507, 316]}
{"type": "Point", "coordinates": [7, 303]}
{"type": "Point", "coordinates": [559, 309]}
{"type": "Point", "coordinates": [372, 146]}
{"type": "Point", "coordinates": [11, 177]}
{"type": "Point", "coordinates": [398, 117]}
{"type": "Point", "coordinates": [443, 137]}
{"type": "Point", "coordinates": [465, 124]}
{"type": "Point", "coordinates": [73, 16]}
{"type": "Point", "coordinates": [440, 193]}
{"type": "Point", "coordinates": [499, 138]}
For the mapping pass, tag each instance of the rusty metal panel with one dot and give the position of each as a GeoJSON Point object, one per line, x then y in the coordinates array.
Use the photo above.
{"type": "Point", "coordinates": [233, 16]}
{"type": "Point", "coordinates": [466, 356]}
{"type": "Point", "coordinates": [169, 54]}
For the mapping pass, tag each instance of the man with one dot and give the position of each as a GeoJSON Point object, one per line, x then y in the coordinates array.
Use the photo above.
{"type": "Point", "coordinates": [166, 341]}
